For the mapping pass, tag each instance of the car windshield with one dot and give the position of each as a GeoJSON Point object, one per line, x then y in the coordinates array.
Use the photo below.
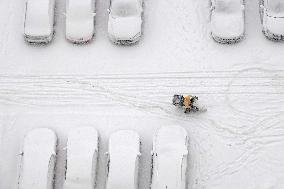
{"type": "Point", "coordinates": [275, 7]}
{"type": "Point", "coordinates": [124, 9]}
{"type": "Point", "coordinates": [229, 6]}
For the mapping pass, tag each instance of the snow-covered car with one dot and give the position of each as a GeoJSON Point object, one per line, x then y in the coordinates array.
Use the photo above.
{"type": "Point", "coordinates": [272, 18]}
{"type": "Point", "coordinates": [227, 20]}
{"type": "Point", "coordinates": [82, 154]}
{"type": "Point", "coordinates": [38, 160]}
{"type": "Point", "coordinates": [39, 21]}
{"type": "Point", "coordinates": [169, 158]}
{"type": "Point", "coordinates": [125, 21]}
{"type": "Point", "coordinates": [80, 22]}
{"type": "Point", "coordinates": [123, 160]}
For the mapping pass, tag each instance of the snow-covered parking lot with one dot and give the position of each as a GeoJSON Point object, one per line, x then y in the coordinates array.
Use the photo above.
{"type": "Point", "coordinates": [237, 143]}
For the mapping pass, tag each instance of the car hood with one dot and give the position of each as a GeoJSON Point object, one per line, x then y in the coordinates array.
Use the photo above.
{"type": "Point", "coordinates": [125, 28]}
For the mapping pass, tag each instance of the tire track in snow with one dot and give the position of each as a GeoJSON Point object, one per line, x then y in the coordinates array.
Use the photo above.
{"type": "Point", "coordinates": [146, 92]}
{"type": "Point", "coordinates": [151, 93]}
{"type": "Point", "coordinates": [254, 146]}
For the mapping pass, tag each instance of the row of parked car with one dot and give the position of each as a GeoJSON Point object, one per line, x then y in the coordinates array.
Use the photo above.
{"type": "Point", "coordinates": [169, 159]}
{"type": "Point", "coordinates": [124, 20]}
{"type": "Point", "coordinates": [228, 19]}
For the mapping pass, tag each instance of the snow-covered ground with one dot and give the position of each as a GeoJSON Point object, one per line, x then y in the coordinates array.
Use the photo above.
{"type": "Point", "coordinates": [237, 143]}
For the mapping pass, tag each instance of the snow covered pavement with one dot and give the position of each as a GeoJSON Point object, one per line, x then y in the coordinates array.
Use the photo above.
{"type": "Point", "coordinates": [237, 143]}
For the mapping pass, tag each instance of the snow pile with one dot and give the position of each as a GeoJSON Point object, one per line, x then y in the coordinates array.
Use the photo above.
{"type": "Point", "coordinates": [170, 158]}
{"type": "Point", "coordinates": [123, 162]}
{"type": "Point", "coordinates": [82, 153]}
{"type": "Point", "coordinates": [38, 160]}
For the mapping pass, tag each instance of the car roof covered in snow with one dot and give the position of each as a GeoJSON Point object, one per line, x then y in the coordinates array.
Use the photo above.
{"type": "Point", "coordinates": [275, 7]}
{"type": "Point", "coordinates": [124, 1]}
{"type": "Point", "coordinates": [227, 19]}
{"type": "Point", "coordinates": [39, 147]}
{"type": "Point", "coordinates": [80, 9]}
{"type": "Point", "coordinates": [38, 20]}
{"type": "Point", "coordinates": [228, 6]}
{"type": "Point", "coordinates": [80, 19]}
{"type": "Point", "coordinates": [82, 148]}
{"type": "Point", "coordinates": [170, 158]}
{"type": "Point", "coordinates": [129, 4]}
{"type": "Point", "coordinates": [170, 138]}
{"type": "Point", "coordinates": [124, 148]}
{"type": "Point", "coordinates": [124, 141]}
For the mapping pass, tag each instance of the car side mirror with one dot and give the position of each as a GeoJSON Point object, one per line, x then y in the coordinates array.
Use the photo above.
{"type": "Point", "coordinates": [108, 10]}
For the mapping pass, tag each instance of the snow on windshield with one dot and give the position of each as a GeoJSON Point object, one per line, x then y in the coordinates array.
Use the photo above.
{"type": "Point", "coordinates": [124, 9]}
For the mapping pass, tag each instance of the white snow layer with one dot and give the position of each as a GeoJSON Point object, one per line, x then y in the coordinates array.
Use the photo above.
{"type": "Point", "coordinates": [39, 18]}
{"type": "Point", "coordinates": [38, 160]}
{"type": "Point", "coordinates": [124, 28]}
{"type": "Point", "coordinates": [123, 162]}
{"type": "Point", "coordinates": [170, 158]}
{"type": "Point", "coordinates": [273, 20]}
{"type": "Point", "coordinates": [227, 19]}
{"type": "Point", "coordinates": [82, 153]}
{"type": "Point", "coordinates": [275, 7]}
{"type": "Point", "coordinates": [80, 23]}
{"type": "Point", "coordinates": [125, 19]}
{"type": "Point", "coordinates": [237, 143]}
